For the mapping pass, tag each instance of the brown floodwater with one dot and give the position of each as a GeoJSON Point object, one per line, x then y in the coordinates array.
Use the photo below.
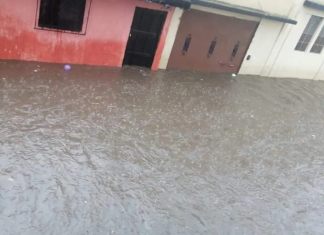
{"type": "Point", "coordinates": [109, 151]}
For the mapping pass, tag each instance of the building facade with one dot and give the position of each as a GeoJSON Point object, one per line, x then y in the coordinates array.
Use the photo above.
{"type": "Point", "coordinates": [287, 41]}
{"type": "Point", "coordinates": [256, 37]}
{"type": "Point", "coordinates": [287, 50]}
{"type": "Point", "coordinates": [93, 32]}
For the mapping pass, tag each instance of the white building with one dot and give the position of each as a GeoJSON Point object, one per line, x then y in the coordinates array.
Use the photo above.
{"type": "Point", "coordinates": [285, 50]}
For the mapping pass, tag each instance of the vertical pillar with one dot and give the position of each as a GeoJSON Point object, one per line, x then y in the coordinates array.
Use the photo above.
{"type": "Point", "coordinates": [172, 33]}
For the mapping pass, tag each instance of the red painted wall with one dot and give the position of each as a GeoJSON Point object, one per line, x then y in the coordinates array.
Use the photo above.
{"type": "Point", "coordinates": [104, 43]}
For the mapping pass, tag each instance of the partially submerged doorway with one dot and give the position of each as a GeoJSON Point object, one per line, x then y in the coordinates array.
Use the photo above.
{"type": "Point", "coordinates": [211, 42]}
{"type": "Point", "coordinates": [144, 37]}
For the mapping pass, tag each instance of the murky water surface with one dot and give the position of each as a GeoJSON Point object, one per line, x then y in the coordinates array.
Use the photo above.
{"type": "Point", "coordinates": [101, 151]}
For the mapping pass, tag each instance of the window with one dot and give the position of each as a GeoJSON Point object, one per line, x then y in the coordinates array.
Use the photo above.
{"type": "Point", "coordinates": [62, 14]}
{"type": "Point", "coordinates": [319, 43]}
{"type": "Point", "coordinates": [308, 33]}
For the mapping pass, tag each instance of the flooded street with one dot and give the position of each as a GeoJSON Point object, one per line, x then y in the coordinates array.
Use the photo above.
{"type": "Point", "coordinates": [109, 151]}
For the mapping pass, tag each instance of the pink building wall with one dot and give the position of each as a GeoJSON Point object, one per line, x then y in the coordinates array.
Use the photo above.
{"type": "Point", "coordinates": [103, 44]}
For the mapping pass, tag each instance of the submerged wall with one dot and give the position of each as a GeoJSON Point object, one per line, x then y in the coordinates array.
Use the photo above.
{"type": "Point", "coordinates": [273, 51]}
{"type": "Point", "coordinates": [300, 64]}
{"type": "Point", "coordinates": [104, 43]}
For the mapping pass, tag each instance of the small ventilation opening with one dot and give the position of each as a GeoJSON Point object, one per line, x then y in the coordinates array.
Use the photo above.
{"type": "Point", "coordinates": [212, 47]}
{"type": "Point", "coordinates": [186, 44]}
{"type": "Point", "coordinates": [235, 50]}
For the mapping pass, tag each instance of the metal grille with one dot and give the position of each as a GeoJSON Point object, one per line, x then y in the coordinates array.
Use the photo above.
{"type": "Point", "coordinates": [308, 33]}
{"type": "Point", "coordinates": [319, 43]}
{"type": "Point", "coordinates": [62, 14]}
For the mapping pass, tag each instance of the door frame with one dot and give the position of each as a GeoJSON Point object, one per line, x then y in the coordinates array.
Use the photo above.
{"type": "Point", "coordinates": [164, 33]}
{"type": "Point", "coordinates": [159, 36]}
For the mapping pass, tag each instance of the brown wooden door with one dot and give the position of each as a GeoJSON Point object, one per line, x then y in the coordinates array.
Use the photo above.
{"type": "Point", "coordinates": [210, 42]}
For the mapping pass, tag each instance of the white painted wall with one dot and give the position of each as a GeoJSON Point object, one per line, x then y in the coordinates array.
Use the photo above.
{"type": "Point", "coordinates": [320, 73]}
{"type": "Point", "coordinates": [292, 63]}
{"type": "Point", "coordinates": [172, 33]}
{"type": "Point", "coordinates": [261, 47]}
{"type": "Point", "coordinates": [273, 48]}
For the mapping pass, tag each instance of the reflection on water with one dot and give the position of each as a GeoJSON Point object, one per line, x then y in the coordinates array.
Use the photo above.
{"type": "Point", "coordinates": [101, 151]}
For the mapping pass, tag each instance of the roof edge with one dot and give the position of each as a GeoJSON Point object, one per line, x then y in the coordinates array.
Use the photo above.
{"type": "Point", "coordinates": [314, 5]}
{"type": "Point", "coordinates": [243, 10]}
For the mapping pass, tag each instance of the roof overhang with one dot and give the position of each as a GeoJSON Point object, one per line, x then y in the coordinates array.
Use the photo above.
{"type": "Point", "coordinates": [184, 4]}
{"type": "Point", "coordinates": [243, 10]}
{"type": "Point", "coordinates": [314, 5]}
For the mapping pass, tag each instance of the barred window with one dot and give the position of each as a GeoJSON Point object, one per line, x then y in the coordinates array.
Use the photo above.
{"type": "Point", "coordinates": [62, 14]}
{"type": "Point", "coordinates": [319, 43]}
{"type": "Point", "coordinates": [308, 33]}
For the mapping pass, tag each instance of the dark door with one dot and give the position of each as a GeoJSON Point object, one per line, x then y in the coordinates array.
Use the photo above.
{"type": "Point", "coordinates": [211, 42]}
{"type": "Point", "coordinates": [144, 37]}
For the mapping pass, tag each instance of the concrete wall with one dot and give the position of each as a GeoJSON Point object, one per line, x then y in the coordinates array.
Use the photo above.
{"type": "Point", "coordinates": [103, 44]}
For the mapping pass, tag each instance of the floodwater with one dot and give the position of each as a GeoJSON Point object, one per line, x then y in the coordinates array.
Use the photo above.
{"type": "Point", "coordinates": [109, 151]}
